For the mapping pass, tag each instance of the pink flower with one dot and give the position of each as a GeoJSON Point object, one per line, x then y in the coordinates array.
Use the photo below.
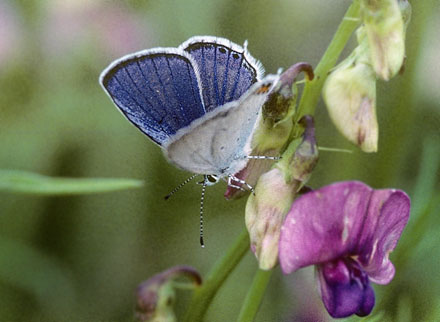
{"type": "Point", "coordinates": [347, 230]}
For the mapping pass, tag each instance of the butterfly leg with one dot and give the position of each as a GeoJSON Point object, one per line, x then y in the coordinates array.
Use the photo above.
{"type": "Point", "coordinates": [235, 186]}
{"type": "Point", "coordinates": [234, 178]}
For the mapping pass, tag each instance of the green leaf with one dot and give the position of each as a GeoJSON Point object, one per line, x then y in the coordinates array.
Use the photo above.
{"type": "Point", "coordinates": [32, 183]}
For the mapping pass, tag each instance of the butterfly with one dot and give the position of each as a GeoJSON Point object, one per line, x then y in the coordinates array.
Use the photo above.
{"type": "Point", "coordinates": [200, 102]}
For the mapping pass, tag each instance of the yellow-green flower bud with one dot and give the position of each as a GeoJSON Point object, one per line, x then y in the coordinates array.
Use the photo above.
{"type": "Point", "coordinates": [405, 10]}
{"type": "Point", "coordinates": [274, 194]}
{"type": "Point", "coordinates": [265, 212]}
{"type": "Point", "coordinates": [299, 165]}
{"type": "Point", "coordinates": [350, 95]}
{"type": "Point", "coordinates": [385, 30]}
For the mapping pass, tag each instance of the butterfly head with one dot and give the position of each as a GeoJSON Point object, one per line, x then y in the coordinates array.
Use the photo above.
{"type": "Point", "coordinates": [209, 180]}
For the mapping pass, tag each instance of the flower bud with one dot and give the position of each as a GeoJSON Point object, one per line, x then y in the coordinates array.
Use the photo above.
{"type": "Point", "coordinates": [299, 166]}
{"type": "Point", "coordinates": [406, 11]}
{"type": "Point", "coordinates": [274, 194]}
{"type": "Point", "coordinates": [385, 30]}
{"type": "Point", "coordinates": [350, 96]}
{"type": "Point", "coordinates": [281, 102]}
{"type": "Point", "coordinates": [265, 212]}
{"type": "Point", "coordinates": [156, 296]}
{"type": "Point", "coordinates": [275, 125]}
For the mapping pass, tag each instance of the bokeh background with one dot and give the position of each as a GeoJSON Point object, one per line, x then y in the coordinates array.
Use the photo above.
{"type": "Point", "coordinates": [80, 258]}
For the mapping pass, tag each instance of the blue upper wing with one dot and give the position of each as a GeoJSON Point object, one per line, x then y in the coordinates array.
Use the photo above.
{"type": "Point", "coordinates": [157, 90]}
{"type": "Point", "coordinates": [226, 69]}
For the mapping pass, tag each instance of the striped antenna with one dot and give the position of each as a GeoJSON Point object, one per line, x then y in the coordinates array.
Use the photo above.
{"type": "Point", "coordinates": [262, 157]}
{"type": "Point", "coordinates": [202, 199]}
{"type": "Point", "coordinates": [180, 186]}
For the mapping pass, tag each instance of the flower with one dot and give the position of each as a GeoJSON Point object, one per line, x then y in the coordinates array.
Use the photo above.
{"type": "Point", "coordinates": [350, 90]}
{"type": "Point", "coordinates": [385, 27]}
{"type": "Point", "coordinates": [156, 296]}
{"type": "Point", "coordinates": [265, 213]}
{"type": "Point", "coordinates": [275, 192]}
{"type": "Point", "coordinates": [347, 230]}
{"type": "Point", "coordinates": [350, 95]}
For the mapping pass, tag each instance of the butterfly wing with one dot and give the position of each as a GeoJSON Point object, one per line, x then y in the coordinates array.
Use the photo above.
{"type": "Point", "coordinates": [226, 69]}
{"type": "Point", "coordinates": [157, 90]}
{"type": "Point", "coordinates": [219, 142]}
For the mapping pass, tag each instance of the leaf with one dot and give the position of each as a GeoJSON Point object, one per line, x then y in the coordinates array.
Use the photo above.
{"type": "Point", "coordinates": [18, 181]}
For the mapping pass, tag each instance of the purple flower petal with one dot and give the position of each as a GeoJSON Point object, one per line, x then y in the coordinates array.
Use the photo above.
{"type": "Point", "coordinates": [388, 214]}
{"type": "Point", "coordinates": [345, 288]}
{"type": "Point", "coordinates": [346, 219]}
{"type": "Point", "coordinates": [323, 225]}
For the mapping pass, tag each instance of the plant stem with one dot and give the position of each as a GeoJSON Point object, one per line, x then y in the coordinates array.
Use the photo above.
{"type": "Point", "coordinates": [312, 89]}
{"type": "Point", "coordinates": [254, 296]}
{"type": "Point", "coordinates": [203, 296]}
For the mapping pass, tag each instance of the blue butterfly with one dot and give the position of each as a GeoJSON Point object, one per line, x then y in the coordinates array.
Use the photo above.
{"type": "Point", "coordinates": [200, 102]}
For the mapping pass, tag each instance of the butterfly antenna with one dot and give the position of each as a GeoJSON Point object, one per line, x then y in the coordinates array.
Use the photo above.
{"type": "Point", "coordinates": [202, 199]}
{"type": "Point", "coordinates": [262, 157]}
{"type": "Point", "coordinates": [180, 186]}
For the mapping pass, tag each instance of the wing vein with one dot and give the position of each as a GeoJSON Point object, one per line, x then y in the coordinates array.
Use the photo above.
{"type": "Point", "coordinates": [176, 92]}
{"type": "Point", "coordinates": [225, 80]}
{"type": "Point", "coordinates": [237, 78]}
{"type": "Point", "coordinates": [192, 87]}
{"type": "Point", "coordinates": [148, 84]}
{"type": "Point", "coordinates": [137, 88]}
{"type": "Point", "coordinates": [215, 78]}
{"type": "Point", "coordinates": [205, 88]}
{"type": "Point", "coordinates": [139, 105]}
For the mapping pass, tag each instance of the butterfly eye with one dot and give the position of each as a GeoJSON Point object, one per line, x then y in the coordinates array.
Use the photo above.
{"type": "Point", "coordinates": [212, 178]}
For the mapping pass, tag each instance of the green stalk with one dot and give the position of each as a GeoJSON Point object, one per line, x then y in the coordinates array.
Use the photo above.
{"type": "Point", "coordinates": [312, 89]}
{"type": "Point", "coordinates": [203, 296]}
{"type": "Point", "coordinates": [254, 296]}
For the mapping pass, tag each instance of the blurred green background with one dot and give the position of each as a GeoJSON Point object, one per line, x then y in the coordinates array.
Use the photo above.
{"type": "Point", "coordinates": [80, 258]}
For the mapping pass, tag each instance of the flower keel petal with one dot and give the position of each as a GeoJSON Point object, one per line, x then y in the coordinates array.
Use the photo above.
{"type": "Point", "coordinates": [345, 288]}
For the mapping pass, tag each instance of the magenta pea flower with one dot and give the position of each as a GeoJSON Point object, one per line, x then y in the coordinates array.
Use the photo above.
{"type": "Point", "coordinates": [347, 230]}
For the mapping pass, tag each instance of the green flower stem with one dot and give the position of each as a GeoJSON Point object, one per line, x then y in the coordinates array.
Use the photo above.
{"type": "Point", "coordinates": [203, 295]}
{"type": "Point", "coordinates": [254, 296]}
{"type": "Point", "coordinates": [312, 89]}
